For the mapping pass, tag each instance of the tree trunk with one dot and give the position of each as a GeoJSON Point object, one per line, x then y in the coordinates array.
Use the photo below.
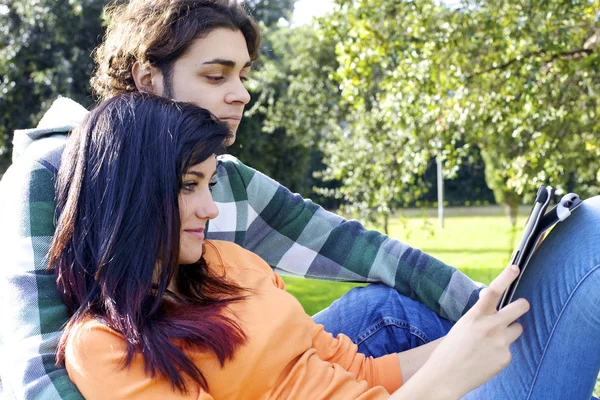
{"type": "Point", "coordinates": [386, 219]}
{"type": "Point", "coordinates": [496, 180]}
{"type": "Point", "coordinates": [512, 211]}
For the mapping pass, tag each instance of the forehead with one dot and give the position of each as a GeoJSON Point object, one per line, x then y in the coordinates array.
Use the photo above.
{"type": "Point", "coordinates": [221, 43]}
{"type": "Point", "coordinates": [207, 167]}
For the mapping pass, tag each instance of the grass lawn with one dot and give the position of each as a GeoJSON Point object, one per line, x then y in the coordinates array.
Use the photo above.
{"type": "Point", "coordinates": [479, 243]}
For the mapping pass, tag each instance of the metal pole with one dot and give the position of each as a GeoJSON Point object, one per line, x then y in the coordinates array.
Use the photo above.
{"type": "Point", "coordinates": [440, 187]}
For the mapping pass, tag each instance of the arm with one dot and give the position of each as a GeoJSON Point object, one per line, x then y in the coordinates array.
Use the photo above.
{"type": "Point", "coordinates": [382, 371]}
{"type": "Point", "coordinates": [298, 237]}
{"type": "Point", "coordinates": [475, 349]}
{"type": "Point", "coordinates": [376, 371]}
{"type": "Point", "coordinates": [33, 313]}
{"type": "Point", "coordinates": [413, 360]}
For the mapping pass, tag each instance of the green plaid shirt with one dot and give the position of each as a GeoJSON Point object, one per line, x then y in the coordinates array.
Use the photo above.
{"type": "Point", "coordinates": [295, 236]}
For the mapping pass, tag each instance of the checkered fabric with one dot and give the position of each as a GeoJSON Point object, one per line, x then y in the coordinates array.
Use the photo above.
{"type": "Point", "coordinates": [294, 235]}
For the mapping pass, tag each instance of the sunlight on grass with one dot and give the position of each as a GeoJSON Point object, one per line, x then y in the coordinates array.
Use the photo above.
{"type": "Point", "coordinates": [480, 246]}
{"type": "Point", "coordinates": [316, 295]}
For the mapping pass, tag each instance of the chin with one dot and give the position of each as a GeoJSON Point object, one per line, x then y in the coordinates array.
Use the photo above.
{"type": "Point", "coordinates": [188, 261]}
{"type": "Point", "coordinates": [231, 140]}
{"type": "Point", "coordinates": [189, 258]}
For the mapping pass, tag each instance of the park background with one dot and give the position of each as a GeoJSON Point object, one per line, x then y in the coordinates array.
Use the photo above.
{"type": "Point", "coordinates": [361, 108]}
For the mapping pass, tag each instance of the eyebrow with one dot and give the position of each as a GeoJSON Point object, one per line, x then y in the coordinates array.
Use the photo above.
{"type": "Point", "coordinates": [200, 174]}
{"type": "Point", "coordinates": [226, 63]}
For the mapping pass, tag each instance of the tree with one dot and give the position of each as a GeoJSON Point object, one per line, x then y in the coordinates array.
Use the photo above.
{"type": "Point", "coordinates": [272, 149]}
{"type": "Point", "coordinates": [518, 79]}
{"type": "Point", "coordinates": [269, 12]}
{"type": "Point", "coordinates": [533, 88]}
{"type": "Point", "coordinates": [391, 103]}
{"type": "Point", "coordinates": [295, 105]}
{"type": "Point", "coordinates": [45, 51]}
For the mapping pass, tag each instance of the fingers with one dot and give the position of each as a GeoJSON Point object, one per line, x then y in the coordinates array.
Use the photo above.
{"type": "Point", "coordinates": [513, 332]}
{"type": "Point", "coordinates": [511, 312]}
{"type": "Point", "coordinates": [489, 297]}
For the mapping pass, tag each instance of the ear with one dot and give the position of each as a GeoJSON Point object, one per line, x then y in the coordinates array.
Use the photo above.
{"type": "Point", "coordinates": [147, 79]}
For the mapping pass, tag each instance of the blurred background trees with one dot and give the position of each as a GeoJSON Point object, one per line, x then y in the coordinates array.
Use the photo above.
{"type": "Point", "coordinates": [518, 80]}
{"type": "Point", "coordinates": [354, 109]}
{"type": "Point", "coordinates": [45, 51]}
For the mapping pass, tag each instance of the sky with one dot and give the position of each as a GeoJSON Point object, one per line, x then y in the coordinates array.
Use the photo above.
{"type": "Point", "coordinates": [304, 10]}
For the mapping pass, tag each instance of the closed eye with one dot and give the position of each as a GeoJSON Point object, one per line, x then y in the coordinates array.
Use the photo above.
{"type": "Point", "coordinates": [189, 186]}
{"type": "Point", "coordinates": [215, 78]}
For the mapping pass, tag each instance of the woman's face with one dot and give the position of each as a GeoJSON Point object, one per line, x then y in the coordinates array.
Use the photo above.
{"type": "Point", "coordinates": [211, 75]}
{"type": "Point", "coordinates": [196, 207]}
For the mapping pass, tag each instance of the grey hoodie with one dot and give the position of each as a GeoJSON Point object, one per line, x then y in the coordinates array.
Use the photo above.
{"type": "Point", "coordinates": [64, 115]}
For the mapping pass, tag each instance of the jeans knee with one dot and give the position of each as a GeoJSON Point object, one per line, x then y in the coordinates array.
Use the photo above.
{"type": "Point", "coordinates": [588, 213]}
{"type": "Point", "coordinates": [374, 297]}
{"type": "Point", "coordinates": [577, 235]}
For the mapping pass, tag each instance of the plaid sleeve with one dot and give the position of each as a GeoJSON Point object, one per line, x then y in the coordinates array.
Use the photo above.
{"type": "Point", "coordinates": [297, 237]}
{"type": "Point", "coordinates": [33, 313]}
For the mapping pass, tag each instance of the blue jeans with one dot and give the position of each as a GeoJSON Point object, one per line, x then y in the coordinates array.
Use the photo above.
{"type": "Point", "coordinates": [558, 355]}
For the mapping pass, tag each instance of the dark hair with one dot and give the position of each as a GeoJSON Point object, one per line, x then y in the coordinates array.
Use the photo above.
{"type": "Point", "coordinates": [116, 246]}
{"type": "Point", "coordinates": [157, 33]}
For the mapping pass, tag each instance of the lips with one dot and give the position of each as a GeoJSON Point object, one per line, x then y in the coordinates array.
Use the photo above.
{"type": "Point", "coordinates": [231, 119]}
{"type": "Point", "coordinates": [198, 233]}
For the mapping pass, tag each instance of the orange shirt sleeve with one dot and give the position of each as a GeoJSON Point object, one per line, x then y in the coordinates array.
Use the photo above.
{"type": "Point", "coordinates": [95, 363]}
{"type": "Point", "coordinates": [382, 371]}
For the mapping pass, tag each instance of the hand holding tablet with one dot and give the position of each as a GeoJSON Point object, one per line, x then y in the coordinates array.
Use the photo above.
{"type": "Point", "coordinates": [538, 222]}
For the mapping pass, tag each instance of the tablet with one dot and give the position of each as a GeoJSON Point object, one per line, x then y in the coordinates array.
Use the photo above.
{"type": "Point", "coordinates": [538, 222]}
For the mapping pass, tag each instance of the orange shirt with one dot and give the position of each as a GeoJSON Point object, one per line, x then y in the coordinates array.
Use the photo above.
{"type": "Point", "coordinates": [286, 356]}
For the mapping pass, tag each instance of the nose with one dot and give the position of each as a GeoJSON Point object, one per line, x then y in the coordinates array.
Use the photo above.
{"type": "Point", "coordinates": [238, 93]}
{"type": "Point", "coordinates": [207, 209]}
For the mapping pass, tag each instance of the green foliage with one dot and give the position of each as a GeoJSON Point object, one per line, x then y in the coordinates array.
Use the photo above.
{"type": "Point", "coordinates": [419, 80]}
{"type": "Point", "coordinates": [269, 12]}
{"type": "Point", "coordinates": [294, 106]}
{"type": "Point", "coordinates": [390, 100]}
{"type": "Point", "coordinates": [496, 180]}
{"type": "Point", "coordinates": [45, 51]}
{"type": "Point", "coordinates": [530, 96]}
{"type": "Point", "coordinates": [467, 188]}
